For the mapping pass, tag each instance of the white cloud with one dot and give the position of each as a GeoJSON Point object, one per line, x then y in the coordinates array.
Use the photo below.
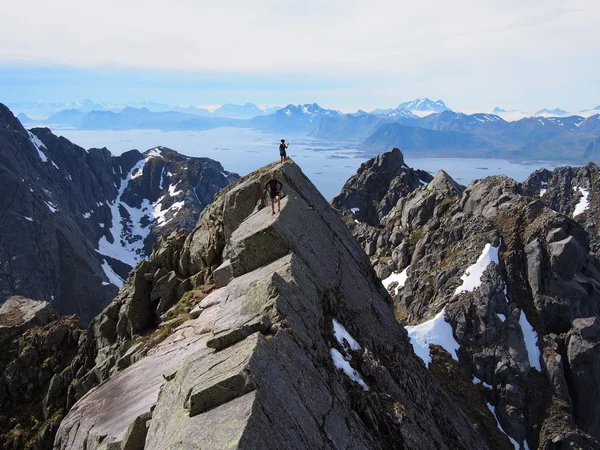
{"type": "Point", "coordinates": [296, 36]}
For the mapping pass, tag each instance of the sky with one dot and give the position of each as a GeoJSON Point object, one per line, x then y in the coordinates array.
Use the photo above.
{"type": "Point", "coordinates": [342, 54]}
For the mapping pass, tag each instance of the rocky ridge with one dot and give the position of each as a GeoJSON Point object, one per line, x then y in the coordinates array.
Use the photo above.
{"type": "Point", "coordinates": [256, 331]}
{"type": "Point", "coordinates": [517, 285]}
{"type": "Point", "coordinates": [74, 222]}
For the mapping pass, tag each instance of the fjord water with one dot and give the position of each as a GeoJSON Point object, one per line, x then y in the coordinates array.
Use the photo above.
{"type": "Point", "coordinates": [327, 163]}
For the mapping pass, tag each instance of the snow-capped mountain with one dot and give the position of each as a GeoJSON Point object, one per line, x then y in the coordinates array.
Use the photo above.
{"type": "Point", "coordinates": [76, 221]}
{"type": "Point", "coordinates": [308, 109]}
{"type": "Point", "coordinates": [423, 106]}
{"type": "Point", "coordinates": [294, 118]}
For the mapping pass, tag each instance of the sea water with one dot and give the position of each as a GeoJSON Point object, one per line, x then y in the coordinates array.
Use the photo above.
{"type": "Point", "coordinates": [327, 163]}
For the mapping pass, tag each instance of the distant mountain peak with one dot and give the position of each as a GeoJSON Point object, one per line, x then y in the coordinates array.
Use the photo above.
{"type": "Point", "coordinates": [551, 112]}
{"type": "Point", "coordinates": [423, 106]}
{"type": "Point", "coordinates": [497, 110]}
{"type": "Point", "coordinates": [310, 109]}
{"type": "Point", "coordinates": [246, 111]}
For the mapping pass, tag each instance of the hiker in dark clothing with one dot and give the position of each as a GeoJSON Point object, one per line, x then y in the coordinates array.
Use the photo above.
{"type": "Point", "coordinates": [282, 148]}
{"type": "Point", "coordinates": [274, 187]}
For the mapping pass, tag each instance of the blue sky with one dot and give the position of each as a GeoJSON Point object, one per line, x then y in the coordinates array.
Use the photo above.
{"type": "Point", "coordinates": [342, 54]}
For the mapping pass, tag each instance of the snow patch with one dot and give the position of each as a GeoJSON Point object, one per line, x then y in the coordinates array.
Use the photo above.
{"type": "Point", "coordinates": [343, 365]}
{"type": "Point", "coordinates": [137, 170]}
{"type": "Point", "coordinates": [111, 275]}
{"type": "Point", "coordinates": [86, 215]}
{"type": "Point", "coordinates": [542, 191]}
{"type": "Point", "coordinates": [502, 317]}
{"type": "Point", "coordinates": [162, 178]}
{"type": "Point", "coordinates": [355, 210]}
{"type": "Point", "coordinates": [51, 206]}
{"type": "Point", "coordinates": [172, 191]}
{"type": "Point", "coordinates": [483, 383]}
{"type": "Point", "coordinates": [38, 144]}
{"type": "Point", "coordinates": [54, 164]}
{"type": "Point", "coordinates": [583, 202]}
{"type": "Point", "coordinates": [435, 331]}
{"type": "Point", "coordinates": [399, 277]}
{"type": "Point", "coordinates": [344, 338]}
{"type": "Point", "coordinates": [160, 214]}
{"type": "Point", "coordinates": [513, 442]}
{"type": "Point", "coordinates": [472, 276]}
{"type": "Point", "coordinates": [530, 337]}
{"type": "Point", "coordinates": [155, 153]}
{"type": "Point", "coordinates": [28, 218]}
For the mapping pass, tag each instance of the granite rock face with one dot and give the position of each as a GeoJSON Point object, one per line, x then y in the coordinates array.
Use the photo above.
{"type": "Point", "coordinates": [261, 360]}
{"type": "Point", "coordinates": [518, 284]}
{"type": "Point", "coordinates": [74, 222]}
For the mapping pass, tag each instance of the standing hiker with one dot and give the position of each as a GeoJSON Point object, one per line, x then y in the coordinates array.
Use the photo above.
{"type": "Point", "coordinates": [274, 187]}
{"type": "Point", "coordinates": [282, 148]}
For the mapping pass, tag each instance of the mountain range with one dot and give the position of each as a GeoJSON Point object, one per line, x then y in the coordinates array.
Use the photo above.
{"type": "Point", "coordinates": [74, 222]}
{"type": "Point", "coordinates": [489, 136]}
{"type": "Point", "coordinates": [38, 111]}
{"type": "Point", "coordinates": [443, 133]}
{"type": "Point", "coordinates": [417, 314]}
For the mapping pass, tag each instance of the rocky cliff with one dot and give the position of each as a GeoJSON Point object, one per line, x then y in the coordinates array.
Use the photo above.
{"type": "Point", "coordinates": [500, 294]}
{"type": "Point", "coordinates": [254, 331]}
{"type": "Point", "coordinates": [74, 222]}
{"type": "Point", "coordinates": [377, 186]}
{"type": "Point", "coordinates": [572, 191]}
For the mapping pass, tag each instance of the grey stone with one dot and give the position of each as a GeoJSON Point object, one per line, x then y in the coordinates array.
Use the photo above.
{"type": "Point", "coordinates": [566, 257]}
{"type": "Point", "coordinates": [165, 291]}
{"type": "Point", "coordinates": [588, 328]}
{"type": "Point", "coordinates": [557, 234]}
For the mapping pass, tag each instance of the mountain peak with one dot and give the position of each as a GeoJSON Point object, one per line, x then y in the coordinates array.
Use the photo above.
{"type": "Point", "coordinates": [551, 112]}
{"type": "Point", "coordinates": [297, 340]}
{"type": "Point", "coordinates": [421, 106]}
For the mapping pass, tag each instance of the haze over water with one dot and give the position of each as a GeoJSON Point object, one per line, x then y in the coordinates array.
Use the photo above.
{"type": "Point", "coordinates": [327, 163]}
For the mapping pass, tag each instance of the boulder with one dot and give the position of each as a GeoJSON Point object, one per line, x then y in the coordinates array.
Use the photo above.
{"type": "Point", "coordinates": [566, 257]}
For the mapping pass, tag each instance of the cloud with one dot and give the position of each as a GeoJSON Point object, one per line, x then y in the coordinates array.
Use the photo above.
{"type": "Point", "coordinates": [266, 36]}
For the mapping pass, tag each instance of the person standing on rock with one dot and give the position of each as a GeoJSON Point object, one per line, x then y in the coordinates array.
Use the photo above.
{"type": "Point", "coordinates": [274, 187]}
{"type": "Point", "coordinates": [282, 148]}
